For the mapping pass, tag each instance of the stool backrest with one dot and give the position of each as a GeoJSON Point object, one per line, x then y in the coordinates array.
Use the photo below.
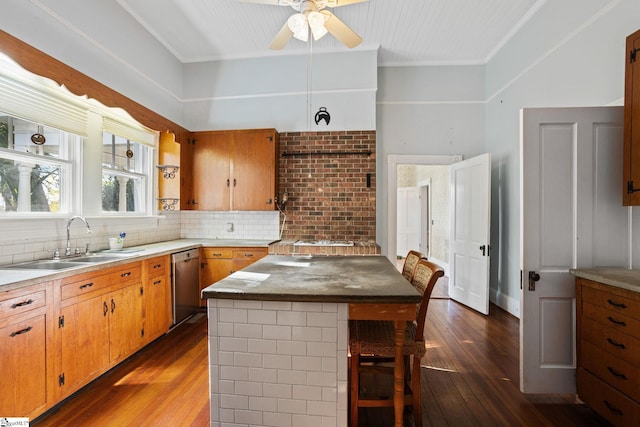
{"type": "Point", "coordinates": [410, 263]}
{"type": "Point", "coordinates": [424, 280]}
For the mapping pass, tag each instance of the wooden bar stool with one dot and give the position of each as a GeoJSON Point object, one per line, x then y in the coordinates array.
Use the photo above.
{"type": "Point", "coordinates": [372, 349]}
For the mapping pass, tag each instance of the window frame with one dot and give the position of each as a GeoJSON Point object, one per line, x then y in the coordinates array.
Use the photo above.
{"type": "Point", "coordinates": [68, 166]}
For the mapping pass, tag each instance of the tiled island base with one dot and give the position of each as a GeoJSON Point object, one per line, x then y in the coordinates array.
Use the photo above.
{"type": "Point", "coordinates": [277, 363]}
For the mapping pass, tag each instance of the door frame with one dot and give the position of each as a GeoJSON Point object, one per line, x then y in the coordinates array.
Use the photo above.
{"type": "Point", "coordinates": [393, 160]}
{"type": "Point", "coordinates": [425, 216]}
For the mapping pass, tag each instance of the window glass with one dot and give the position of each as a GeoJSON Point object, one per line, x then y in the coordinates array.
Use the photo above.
{"type": "Point", "coordinates": [35, 167]}
{"type": "Point", "coordinates": [125, 174]}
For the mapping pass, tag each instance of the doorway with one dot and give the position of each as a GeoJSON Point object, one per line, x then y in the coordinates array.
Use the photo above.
{"type": "Point", "coordinates": [423, 211]}
{"type": "Point", "coordinates": [398, 165]}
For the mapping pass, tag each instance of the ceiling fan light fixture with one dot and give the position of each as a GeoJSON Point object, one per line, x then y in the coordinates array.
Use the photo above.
{"type": "Point", "coordinates": [316, 23]}
{"type": "Point", "coordinates": [298, 26]}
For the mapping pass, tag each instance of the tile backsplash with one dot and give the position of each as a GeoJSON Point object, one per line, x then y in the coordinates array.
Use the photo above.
{"type": "Point", "coordinates": [30, 239]}
{"type": "Point", "coordinates": [262, 225]}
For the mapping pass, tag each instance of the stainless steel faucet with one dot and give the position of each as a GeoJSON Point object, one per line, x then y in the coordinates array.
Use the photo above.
{"type": "Point", "coordinates": [67, 251]}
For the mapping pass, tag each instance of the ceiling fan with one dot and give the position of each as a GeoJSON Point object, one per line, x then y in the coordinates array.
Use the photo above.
{"type": "Point", "coordinates": [313, 17]}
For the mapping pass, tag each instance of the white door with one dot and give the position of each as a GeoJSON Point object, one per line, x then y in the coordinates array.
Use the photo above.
{"type": "Point", "coordinates": [408, 220]}
{"type": "Point", "coordinates": [571, 169]}
{"type": "Point", "coordinates": [470, 215]}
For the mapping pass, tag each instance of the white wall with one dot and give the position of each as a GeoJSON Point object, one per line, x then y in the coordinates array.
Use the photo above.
{"type": "Point", "coordinates": [274, 92]}
{"type": "Point", "coordinates": [437, 110]}
{"type": "Point", "coordinates": [571, 53]}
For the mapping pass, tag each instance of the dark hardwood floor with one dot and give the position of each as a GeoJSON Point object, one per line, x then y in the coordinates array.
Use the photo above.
{"type": "Point", "coordinates": [469, 378]}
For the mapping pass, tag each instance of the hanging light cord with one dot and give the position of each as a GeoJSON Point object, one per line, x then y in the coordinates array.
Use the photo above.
{"type": "Point", "coordinates": [309, 85]}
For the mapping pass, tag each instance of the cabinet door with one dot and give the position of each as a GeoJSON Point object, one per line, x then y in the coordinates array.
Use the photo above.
{"type": "Point", "coordinates": [254, 170]}
{"type": "Point", "coordinates": [211, 271]}
{"type": "Point", "coordinates": [631, 167]}
{"type": "Point", "coordinates": [86, 327]}
{"type": "Point", "coordinates": [157, 307]}
{"type": "Point", "coordinates": [211, 171]}
{"type": "Point", "coordinates": [23, 367]}
{"type": "Point", "coordinates": [126, 322]}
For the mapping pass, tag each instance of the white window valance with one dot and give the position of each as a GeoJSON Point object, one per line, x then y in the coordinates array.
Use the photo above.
{"type": "Point", "coordinates": [41, 100]}
{"type": "Point", "coordinates": [130, 129]}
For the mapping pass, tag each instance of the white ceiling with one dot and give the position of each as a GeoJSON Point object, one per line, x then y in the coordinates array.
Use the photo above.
{"type": "Point", "coordinates": [407, 32]}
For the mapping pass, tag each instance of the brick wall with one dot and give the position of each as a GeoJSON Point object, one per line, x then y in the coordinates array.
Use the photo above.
{"type": "Point", "coordinates": [328, 193]}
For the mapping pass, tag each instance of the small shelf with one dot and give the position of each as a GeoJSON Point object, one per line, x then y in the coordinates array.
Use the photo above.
{"type": "Point", "coordinates": [168, 204]}
{"type": "Point", "coordinates": [168, 171]}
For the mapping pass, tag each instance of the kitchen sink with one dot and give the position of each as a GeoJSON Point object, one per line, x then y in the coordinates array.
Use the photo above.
{"type": "Point", "coordinates": [44, 265]}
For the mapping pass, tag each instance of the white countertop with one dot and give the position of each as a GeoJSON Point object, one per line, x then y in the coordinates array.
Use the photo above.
{"type": "Point", "coordinates": [612, 276]}
{"type": "Point", "coordinates": [16, 278]}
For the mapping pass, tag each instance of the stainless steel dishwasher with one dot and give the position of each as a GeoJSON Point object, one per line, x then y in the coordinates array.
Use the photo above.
{"type": "Point", "coordinates": [185, 284]}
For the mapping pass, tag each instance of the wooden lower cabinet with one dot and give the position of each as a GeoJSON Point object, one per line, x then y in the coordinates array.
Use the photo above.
{"type": "Point", "coordinates": [608, 374]}
{"type": "Point", "coordinates": [85, 327]}
{"type": "Point", "coordinates": [57, 336]}
{"type": "Point", "coordinates": [102, 315]}
{"type": "Point", "coordinates": [216, 263]}
{"type": "Point", "coordinates": [157, 297]}
{"type": "Point", "coordinates": [24, 318]}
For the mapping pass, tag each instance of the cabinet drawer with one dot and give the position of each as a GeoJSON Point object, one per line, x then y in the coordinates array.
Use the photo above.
{"type": "Point", "coordinates": [606, 401]}
{"type": "Point", "coordinates": [126, 274]}
{"type": "Point", "coordinates": [253, 254]}
{"type": "Point", "coordinates": [612, 341]}
{"type": "Point", "coordinates": [614, 302]}
{"type": "Point", "coordinates": [93, 283]}
{"type": "Point", "coordinates": [217, 253]}
{"type": "Point", "coordinates": [86, 285]}
{"type": "Point", "coordinates": [13, 303]}
{"type": "Point", "coordinates": [622, 375]}
{"type": "Point", "coordinates": [156, 265]}
{"type": "Point", "coordinates": [611, 318]}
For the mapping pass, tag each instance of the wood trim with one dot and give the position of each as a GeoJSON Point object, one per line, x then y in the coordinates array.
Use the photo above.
{"type": "Point", "coordinates": [78, 83]}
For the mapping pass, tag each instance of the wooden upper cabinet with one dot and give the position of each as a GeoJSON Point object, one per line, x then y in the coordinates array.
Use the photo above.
{"type": "Point", "coordinates": [254, 170]}
{"type": "Point", "coordinates": [168, 179]}
{"type": "Point", "coordinates": [631, 166]}
{"type": "Point", "coordinates": [212, 171]}
{"type": "Point", "coordinates": [234, 170]}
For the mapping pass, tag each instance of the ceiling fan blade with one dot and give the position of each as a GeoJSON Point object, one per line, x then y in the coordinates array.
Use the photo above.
{"type": "Point", "coordinates": [341, 31]}
{"type": "Point", "coordinates": [337, 3]}
{"type": "Point", "coordinates": [282, 38]}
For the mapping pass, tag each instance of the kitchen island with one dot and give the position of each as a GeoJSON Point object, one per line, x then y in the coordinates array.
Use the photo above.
{"type": "Point", "coordinates": [278, 336]}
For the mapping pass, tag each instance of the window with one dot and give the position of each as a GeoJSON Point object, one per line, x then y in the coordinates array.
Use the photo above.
{"type": "Point", "coordinates": [35, 166]}
{"type": "Point", "coordinates": [125, 174]}
{"type": "Point", "coordinates": [58, 151]}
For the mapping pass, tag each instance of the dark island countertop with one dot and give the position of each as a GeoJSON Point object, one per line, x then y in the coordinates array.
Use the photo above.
{"type": "Point", "coordinates": [346, 279]}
